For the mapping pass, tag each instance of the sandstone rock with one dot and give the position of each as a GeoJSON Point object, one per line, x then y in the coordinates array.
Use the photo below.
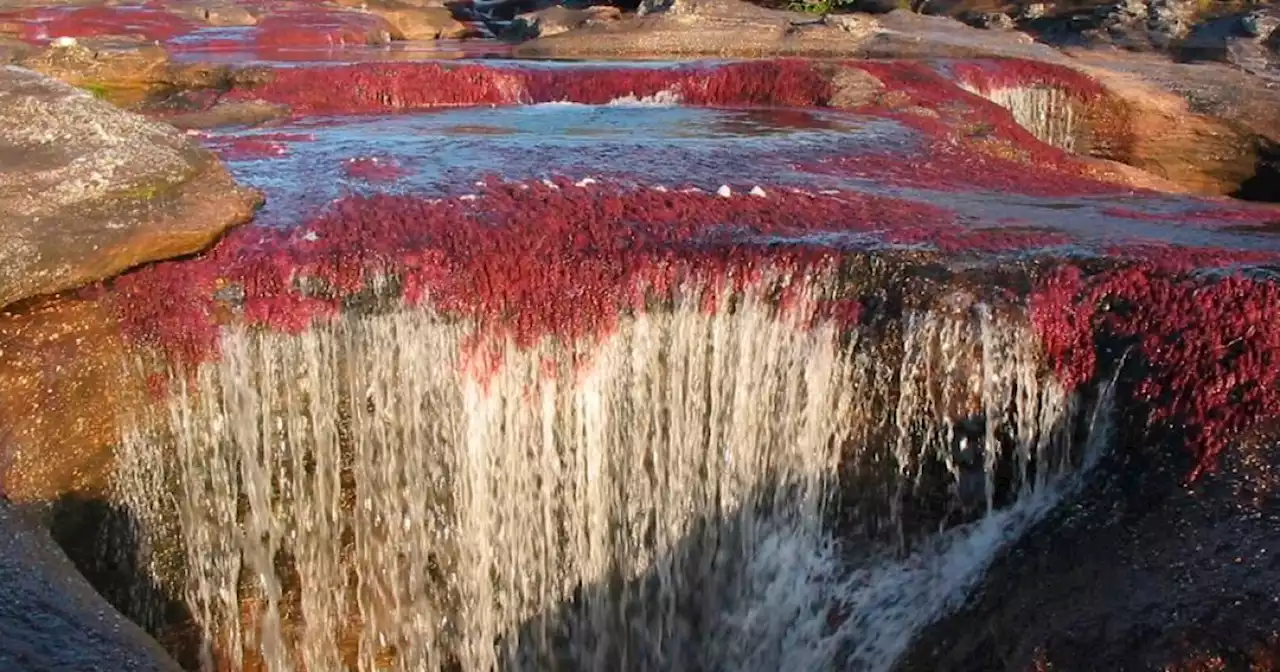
{"type": "Point", "coordinates": [12, 50]}
{"type": "Point", "coordinates": [1034, 10]}
{"type": "Point", "coordinates": [560, 19]}
{"type": "Point", "coordinates": [90, 190]}
{"type": "Point", "coordinates": [51, 620]}
{"type": "Point", "coordinates": [410, 22]}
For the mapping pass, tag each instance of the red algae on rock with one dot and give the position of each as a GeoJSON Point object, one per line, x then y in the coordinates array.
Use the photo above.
{"type": "Point", "coordinates": [972, 141]}
{"type": "Point", "coordinates": [381, 87]}
{"type": "Point", "coordinates": [1209, 347]}
{"type": "Point", "coordinates": [45, 24]}
{"type": "Point", "coordinates": [522, 260]}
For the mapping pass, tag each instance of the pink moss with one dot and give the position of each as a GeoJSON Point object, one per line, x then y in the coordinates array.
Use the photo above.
{"type": "Point", "coordinates": [319, 27]}
{"type": "Point", "coordinates": [374, 169]}
{"type": "Point", "coordinates": [45, 24]}
{"type": "Point", "coordinates": [524, 260]}
{"type": "Point", "coordinates": [986, 75]}
{"type": "Point", "coordinates": [382, 87]}
{"type": "Point", "coordinates": [1211, 346]}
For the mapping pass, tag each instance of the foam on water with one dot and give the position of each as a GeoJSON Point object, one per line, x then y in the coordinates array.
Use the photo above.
{"type": "Point", "coordinates": [362, 495]}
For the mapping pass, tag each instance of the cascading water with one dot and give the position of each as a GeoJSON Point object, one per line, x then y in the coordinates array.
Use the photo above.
{"type": "Point", "coordinates": [1047, 112]}
{"type": "Point", "coordinates": [365, 496]}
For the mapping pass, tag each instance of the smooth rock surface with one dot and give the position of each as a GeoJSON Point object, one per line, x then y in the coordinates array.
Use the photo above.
{"type": "Point", "coordinates": [52, 620]}
{"type": "Point", "coordinates": [88, 190]}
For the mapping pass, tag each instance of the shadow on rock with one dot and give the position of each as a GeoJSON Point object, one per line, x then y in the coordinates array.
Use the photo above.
{"type": "Point", "coordinates": [1144, 572]}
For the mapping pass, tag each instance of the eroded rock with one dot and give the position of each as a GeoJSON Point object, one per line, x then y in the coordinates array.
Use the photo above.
{"type": "Point", "coordinates": [90, 190]}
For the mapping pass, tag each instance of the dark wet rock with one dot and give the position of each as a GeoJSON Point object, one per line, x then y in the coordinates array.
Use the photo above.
{"type": "Point", "coordinates": [990, 20]}
{"type": "Point", "coordinates": [1141, 572]}
{"type": "Point", "coordinates": [877, 6]}
{"type": "Point", "coordinates": [90, 190]}
{"type": "Point", "coordinates": [52, 620]}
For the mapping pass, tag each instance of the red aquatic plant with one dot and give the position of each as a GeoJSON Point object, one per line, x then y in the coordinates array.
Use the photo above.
{"type": "Point", "coordinates": [47, 23]}
{"type": "Point", "coordinates": [1210, 346]}
{"type": "Point", "coordinates": [523, 260]}
{"type": "Point", "coordinates": [381, 87]}
{"type": "Point", "coordinates": [319, 27]}
{"type": "Point", "coordinates": [945, 164]}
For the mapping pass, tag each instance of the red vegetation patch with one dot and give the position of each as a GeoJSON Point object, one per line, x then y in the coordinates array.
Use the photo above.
{"type": "Point", "coordinates": [374, 88]}
{"type": "Point", "coordinates": [46, 24]}
{"type": "Point", "coordinates": [945, 165]}
{"type": "Point", "coordinates": [374, 169]}
{"type": "Point", "coordinates": [967, 131]}
{"type": "Point", "coordinates": [986, 75]}
{"type": "Point", "coordinates": [524, 260]}
{"type": "Point", "coordinates": [1211, 346]}
{"type": "Point", "coordinates": [319, 27]}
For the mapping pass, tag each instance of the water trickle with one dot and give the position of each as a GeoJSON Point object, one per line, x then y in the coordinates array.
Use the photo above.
{"type": "Point", "coordinates": [1047, 112]}
{"type": "Point", "coordinates": [363, 496]}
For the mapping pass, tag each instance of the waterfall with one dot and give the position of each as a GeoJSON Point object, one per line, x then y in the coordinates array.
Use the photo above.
{"type": "Point", "coordinates": [365, 496]}
{"type": "Point", "coordinates": [1047, 112]}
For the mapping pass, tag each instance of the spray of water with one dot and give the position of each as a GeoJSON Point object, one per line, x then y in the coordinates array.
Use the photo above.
{"type": "Point", "coordinates": [359, 497]}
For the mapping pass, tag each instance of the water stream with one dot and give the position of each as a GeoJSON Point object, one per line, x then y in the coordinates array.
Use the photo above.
{"type": "Point", "coordinates": [361, 496]}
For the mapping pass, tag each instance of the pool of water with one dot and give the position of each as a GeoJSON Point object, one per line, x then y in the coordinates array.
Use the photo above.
{"type": "Point", "coordinates": [310, 161]}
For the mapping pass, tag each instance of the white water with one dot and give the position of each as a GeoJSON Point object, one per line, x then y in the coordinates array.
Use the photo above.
{"type": "Point", "coordinates": [1047, 112]}
{"type": "Point", "coordinates": [354, 497]}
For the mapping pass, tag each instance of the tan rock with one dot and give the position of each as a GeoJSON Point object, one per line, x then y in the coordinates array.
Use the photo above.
{"type": "Point", "coordinates": [1197, 125]}
{"type": "Point", "coordinates": [559, 19]}
{"type": "Point", "coordinates": [217, 13]}
{"type": "Point", "coordinates": [421, 20]}
{"type": "Point", "coordinates": [52, 619]}
{"type": "Point", "coordinates": [90, 190]}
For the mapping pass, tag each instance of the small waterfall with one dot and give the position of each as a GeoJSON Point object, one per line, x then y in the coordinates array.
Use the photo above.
{"type": "Point", "coordinates": [1047, 112]}
{"type": "Point", "coordinates": [363, 496]}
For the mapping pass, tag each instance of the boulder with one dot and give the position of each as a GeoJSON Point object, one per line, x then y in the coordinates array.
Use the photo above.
{"type": "Point", "coordinates": [89, 190]}
{"type": "Point", "coordinates": [52, 620]}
